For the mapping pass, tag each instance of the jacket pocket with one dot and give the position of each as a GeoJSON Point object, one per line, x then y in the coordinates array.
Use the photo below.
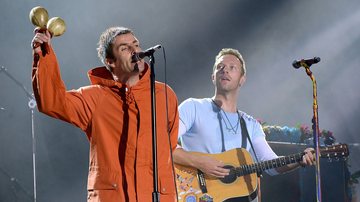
{"type": "Point", "coordinates": [103, 180]}
{"type": "Point", "coordinates": [167, 185]}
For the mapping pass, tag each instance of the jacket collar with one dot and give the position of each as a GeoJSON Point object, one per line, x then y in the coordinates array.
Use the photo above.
{"type": "Point", "coordinates": [102, 76]}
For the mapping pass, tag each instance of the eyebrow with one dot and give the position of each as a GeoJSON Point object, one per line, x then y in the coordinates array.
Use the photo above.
{"type": "Point", "coordinates": [124, 44]}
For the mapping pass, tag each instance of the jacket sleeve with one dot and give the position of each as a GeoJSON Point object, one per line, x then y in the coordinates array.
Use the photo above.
{"type": "Point", "coordinates": [173, 115]}
{"type": "Point", "coordinates": [51, 96]}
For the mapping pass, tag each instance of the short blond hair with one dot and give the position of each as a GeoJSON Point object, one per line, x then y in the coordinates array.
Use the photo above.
{"type": "Point", "coordinates": [234, 52]}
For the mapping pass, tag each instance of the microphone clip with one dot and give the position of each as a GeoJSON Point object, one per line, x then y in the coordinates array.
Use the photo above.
{"type": "Point", "coordinates": [147, 53]}
{"type": "Point", "coordinates": [305, 62]}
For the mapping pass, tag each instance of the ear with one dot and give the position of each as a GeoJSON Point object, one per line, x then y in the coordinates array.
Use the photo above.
{"type": "Point", "coordinates": [242, 80]}
{"type": "Point", "coordinates": [213, 78]}
{"type": "Point", "coordinates": [110, 62]}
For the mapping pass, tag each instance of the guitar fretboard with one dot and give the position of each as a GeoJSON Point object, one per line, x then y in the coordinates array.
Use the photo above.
{"type": "Point", "coordinates": [265, 165]}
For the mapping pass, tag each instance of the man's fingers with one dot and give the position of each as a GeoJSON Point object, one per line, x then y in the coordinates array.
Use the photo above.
{"type": "Point", "coordinates": [224, 170]}
{"type": "Point", "coordinates": [48, 34]}
{"type": "Point", "coordinates": [221, 172]}
{"type": "Point", "coordinates": [39, 39]}
{"type": "Point", "coordinates": [42, 37]}
{"type": "Point", "coordinates": [37, 29]}
{"type": "Point", "coordinates": [308, 159]}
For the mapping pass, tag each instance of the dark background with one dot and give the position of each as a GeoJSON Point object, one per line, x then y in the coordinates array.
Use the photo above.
{"type": "Point", "coordinates": [269, 34]}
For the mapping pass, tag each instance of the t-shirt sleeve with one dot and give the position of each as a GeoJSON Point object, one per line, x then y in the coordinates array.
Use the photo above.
{"type": "Point", "coordinates": [187, 113]}
{"type": "Point", "coordinates": [262, 148]}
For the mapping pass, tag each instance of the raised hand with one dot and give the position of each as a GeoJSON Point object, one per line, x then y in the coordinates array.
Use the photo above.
{"type": "Point", "coordinates": [41, 37]}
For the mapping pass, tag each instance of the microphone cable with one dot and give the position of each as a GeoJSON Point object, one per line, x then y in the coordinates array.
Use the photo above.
{"type": "Point", "coordinates": [167, 122]}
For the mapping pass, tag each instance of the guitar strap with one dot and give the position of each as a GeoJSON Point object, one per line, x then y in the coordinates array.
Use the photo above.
{"type": "Point", "coordinates": [222, 132]}
{"type": "Point", "coordinates": [245, 134]}
{"type": "Point", "coordinates": [244, 137]}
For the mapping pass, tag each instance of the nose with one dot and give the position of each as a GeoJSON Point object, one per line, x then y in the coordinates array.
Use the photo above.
{"type": "Point", "coordinates": [135, 48]}
{"type": "Point", "coordinates": [224, 69]}
{"type": "Point", "coordinates": [132, 49]}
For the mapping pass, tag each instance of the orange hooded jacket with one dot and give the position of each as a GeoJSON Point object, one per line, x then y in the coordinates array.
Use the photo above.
{"type": "Point", "coordinates": [117, 122]}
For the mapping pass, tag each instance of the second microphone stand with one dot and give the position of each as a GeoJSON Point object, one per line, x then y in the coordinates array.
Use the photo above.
{"type": "Point", "coordinates": [316, 131]}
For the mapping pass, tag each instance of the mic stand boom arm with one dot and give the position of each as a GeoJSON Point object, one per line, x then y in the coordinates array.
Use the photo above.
{"type": "Point", "coordinates": [316, 131]}
{"type": "Point", "coordinates": [4, 70]}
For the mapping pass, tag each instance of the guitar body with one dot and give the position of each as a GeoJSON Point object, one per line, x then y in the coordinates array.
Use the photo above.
{"type": "Point", "coordinates": [193, 185]}
{"type": "Point", "coordinates": [189, 188]}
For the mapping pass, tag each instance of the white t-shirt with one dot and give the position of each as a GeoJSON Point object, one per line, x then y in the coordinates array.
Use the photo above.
{"type": "Point", "coordinates": [199, 130]}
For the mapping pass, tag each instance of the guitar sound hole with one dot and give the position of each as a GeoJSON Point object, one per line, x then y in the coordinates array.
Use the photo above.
{"type": "Point", "coordinates": [231, 177]}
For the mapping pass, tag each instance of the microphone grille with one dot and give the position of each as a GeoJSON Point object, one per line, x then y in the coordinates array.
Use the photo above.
{"type": "Point", "coordinates": [316, 60]}
{"type": "Point", "coordinates": [296, 64]}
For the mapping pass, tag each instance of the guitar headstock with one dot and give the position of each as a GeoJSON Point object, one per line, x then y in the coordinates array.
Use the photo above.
{"type": "Point", "coordinates": [335, 151]}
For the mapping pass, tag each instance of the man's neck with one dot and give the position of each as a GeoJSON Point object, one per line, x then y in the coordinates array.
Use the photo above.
{"type": "Point", "coordinates": [227, 102]}
{"type": "Point", "coordinates": [128, 80]}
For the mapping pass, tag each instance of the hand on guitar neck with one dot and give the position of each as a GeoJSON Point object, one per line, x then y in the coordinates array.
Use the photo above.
{"type": "Point", "coordinates": [308, 159]}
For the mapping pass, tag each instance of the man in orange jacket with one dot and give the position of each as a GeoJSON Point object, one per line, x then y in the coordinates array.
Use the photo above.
{"type": "Point", "coordinates": [115, 113]}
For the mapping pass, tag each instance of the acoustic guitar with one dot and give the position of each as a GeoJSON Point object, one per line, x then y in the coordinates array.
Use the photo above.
{"type": "Point", "coordinates": [193, 185]}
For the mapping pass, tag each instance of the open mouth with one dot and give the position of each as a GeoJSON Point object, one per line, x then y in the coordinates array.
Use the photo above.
{"type": "Point", "coordinates": [224, 79]}
{"type": "Point", "coordinates": [135, 58]}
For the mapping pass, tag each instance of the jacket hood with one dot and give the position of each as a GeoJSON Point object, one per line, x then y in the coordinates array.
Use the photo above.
{"type": "Point", "coordinates": [102, 76]}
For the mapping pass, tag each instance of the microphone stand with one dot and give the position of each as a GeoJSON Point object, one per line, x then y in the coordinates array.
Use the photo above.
{"type": "Point", "coordinates": [31, 105]}
{"type": "Point", "coordinates": [316, 131]}
{"type": "Point", "coordinates": [155, 194]}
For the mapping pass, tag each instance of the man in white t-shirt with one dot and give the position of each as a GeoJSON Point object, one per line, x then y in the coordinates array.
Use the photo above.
{"type": "Point", "coordinates": [215, 125]}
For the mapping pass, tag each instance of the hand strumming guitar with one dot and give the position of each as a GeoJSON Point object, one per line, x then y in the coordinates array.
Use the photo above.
{"type": "Point", "coordinates": [206, 164]}
{"type": "Point", "coordinates": [211, 166]}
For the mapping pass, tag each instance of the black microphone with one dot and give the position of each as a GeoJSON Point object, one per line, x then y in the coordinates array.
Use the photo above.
{"type": "Point", "coordinates": [297, 63]}
{"type": "Point", "coordinates": [140, 55]}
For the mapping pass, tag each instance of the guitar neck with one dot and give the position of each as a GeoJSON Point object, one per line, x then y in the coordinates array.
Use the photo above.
{"type": "Point", "coordinates": [265, 165]}
{"type": "Point", "coordinates": [335, 151]}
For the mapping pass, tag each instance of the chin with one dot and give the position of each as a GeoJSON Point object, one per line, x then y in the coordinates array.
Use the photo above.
{"type": "Point", "coordinates": [140, 67]}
